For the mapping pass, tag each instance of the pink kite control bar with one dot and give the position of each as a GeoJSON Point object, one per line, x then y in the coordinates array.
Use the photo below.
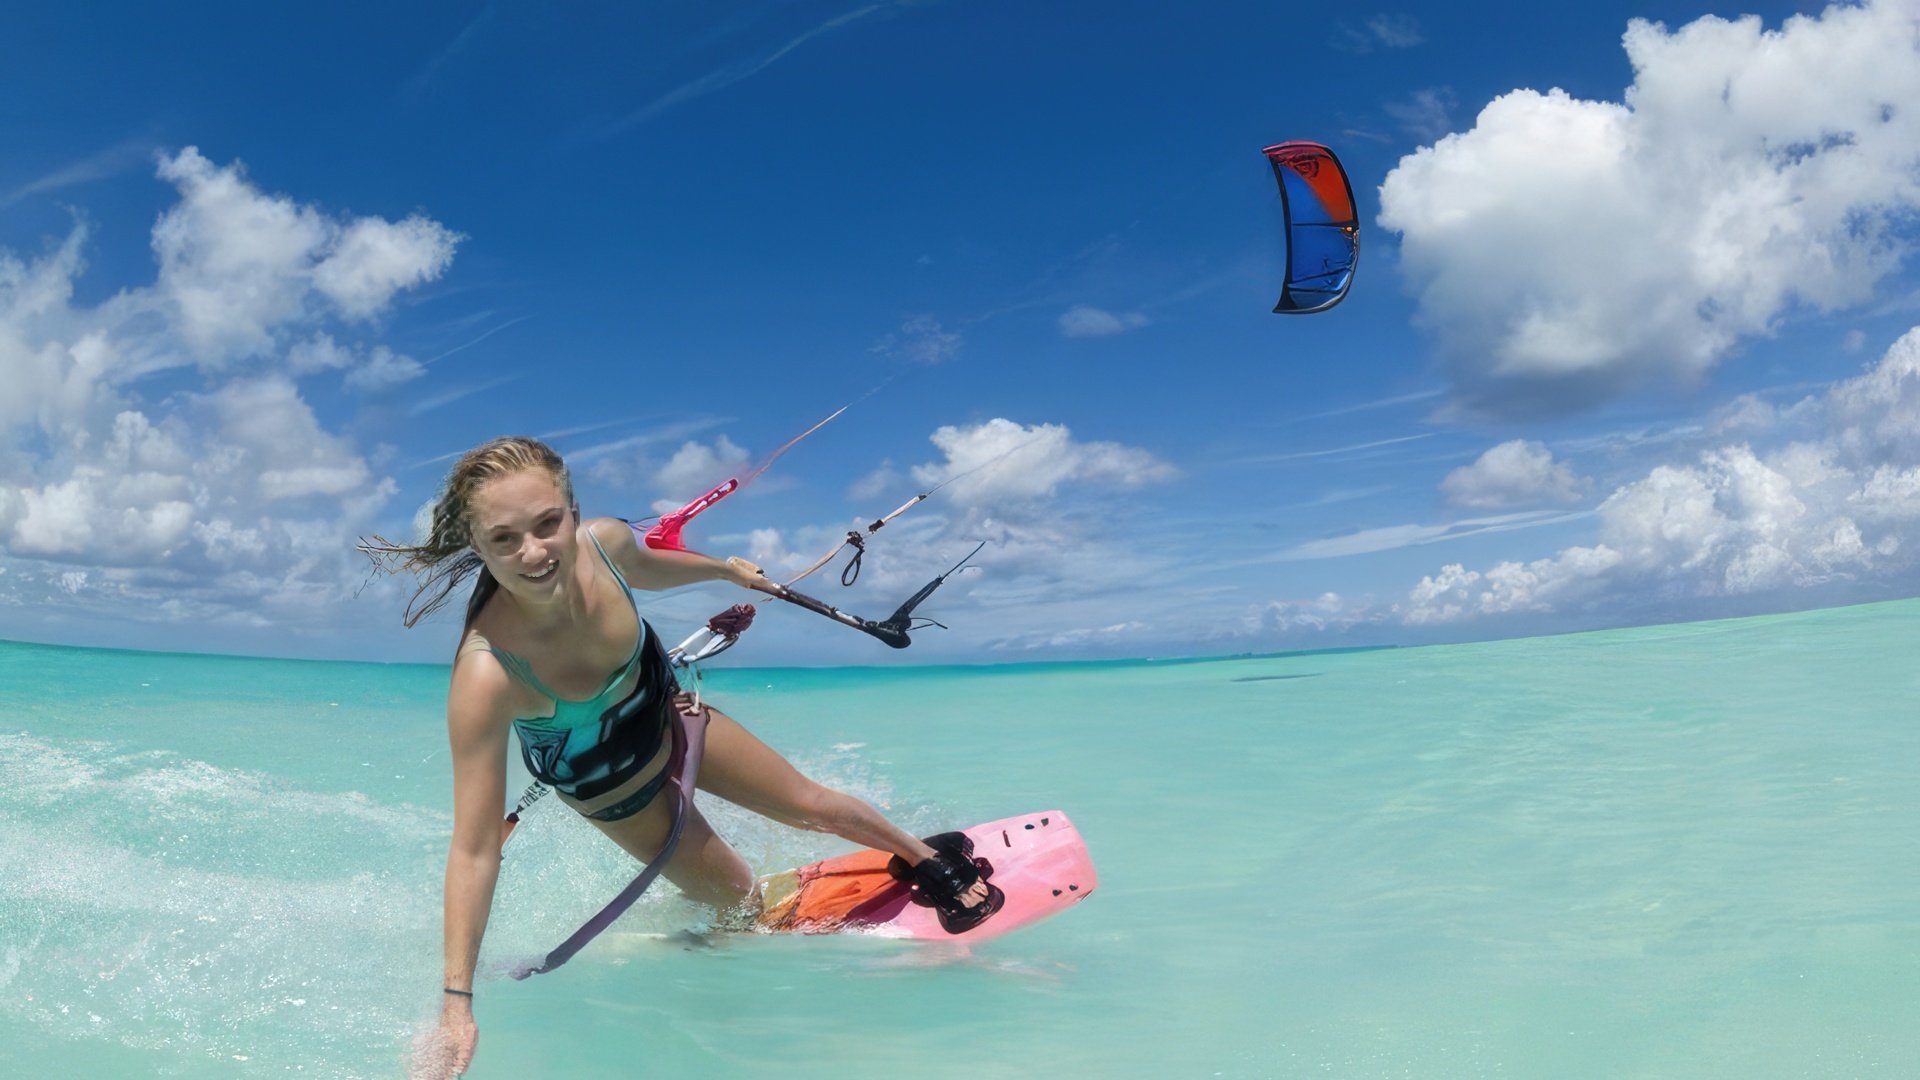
{"type": "Point", "coordinates": [665, 534]}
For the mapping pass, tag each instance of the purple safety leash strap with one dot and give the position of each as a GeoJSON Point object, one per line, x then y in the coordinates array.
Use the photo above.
{"type": "Point", "coordinates": [689, 742]}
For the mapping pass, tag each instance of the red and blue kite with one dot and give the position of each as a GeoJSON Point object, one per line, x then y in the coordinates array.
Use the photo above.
{"type": "Point", "coordinates": [1322, 228]}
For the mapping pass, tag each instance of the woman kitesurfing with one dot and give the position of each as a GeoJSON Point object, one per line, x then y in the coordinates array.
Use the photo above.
{"type": "Point", "coordinates": [554, 649]}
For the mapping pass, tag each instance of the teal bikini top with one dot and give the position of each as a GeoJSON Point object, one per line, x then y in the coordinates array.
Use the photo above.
{"type": "Point", "coordinates": [569, 714]}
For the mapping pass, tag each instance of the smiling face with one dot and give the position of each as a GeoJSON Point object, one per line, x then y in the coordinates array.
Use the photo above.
{"type": "Point", "coordinates": [523, 530]}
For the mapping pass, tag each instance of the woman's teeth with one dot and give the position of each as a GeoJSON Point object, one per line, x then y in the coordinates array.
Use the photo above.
{"type": "Point", "coordinates": [544, 571]}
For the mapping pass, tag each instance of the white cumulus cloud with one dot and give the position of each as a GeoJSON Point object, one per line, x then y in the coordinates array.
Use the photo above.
{"type": "Point", "coordinates": [1564, 249]}
{"type": "Point", "coordinates": [1001, 459]}
{"type": "Point", "coordinates": [1514, 473]}
{"type": "Point", "coordinates": [238, 264]}
{"type": "Point", "coordinates": [384, 369]}
{"type": "Point", "coordinates": [228, 499]}
{"type": "Point", "coordinates": [371, 260]}
{"type": "Point", "coordinates": [1841, 502]}
{"type": "Point", "coordinates": [695, 468]}
{"type": "Point", "coordinates": [319, 353]}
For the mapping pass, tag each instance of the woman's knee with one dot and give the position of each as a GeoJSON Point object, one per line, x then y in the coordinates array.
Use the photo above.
{"type": "Point", "coordinates": [710, 871]}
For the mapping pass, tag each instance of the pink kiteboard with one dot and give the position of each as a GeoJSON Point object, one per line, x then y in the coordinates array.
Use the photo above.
{"type": "Point", "coordinates": [1038, 860]}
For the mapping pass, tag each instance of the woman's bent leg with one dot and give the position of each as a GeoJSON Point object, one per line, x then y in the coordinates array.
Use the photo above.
{"type": "Point", "coordinates": [741, 769]}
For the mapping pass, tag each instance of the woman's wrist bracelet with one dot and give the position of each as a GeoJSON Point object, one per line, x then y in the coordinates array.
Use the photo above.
{"type": "Point", "coordinates": [460, 993]}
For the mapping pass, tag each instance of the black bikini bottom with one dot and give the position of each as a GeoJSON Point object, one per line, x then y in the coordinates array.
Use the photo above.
{"type": "Point", "coordinates": [635, 802]}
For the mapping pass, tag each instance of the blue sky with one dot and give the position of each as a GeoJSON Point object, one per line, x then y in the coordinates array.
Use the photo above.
{"type": "Point", "coordinates": [1628, 341]}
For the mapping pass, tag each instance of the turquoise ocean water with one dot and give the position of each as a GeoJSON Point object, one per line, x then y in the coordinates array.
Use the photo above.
{"type": "Point", "coordinates": [1679, 851]}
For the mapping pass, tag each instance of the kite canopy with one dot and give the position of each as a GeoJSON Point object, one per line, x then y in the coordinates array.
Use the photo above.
{"type": "Point", "coordinates": [1322, 230]}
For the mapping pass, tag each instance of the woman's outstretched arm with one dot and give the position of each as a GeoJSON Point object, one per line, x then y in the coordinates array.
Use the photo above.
{"type": "Point", "coordinates": [646, 568]}
{"type": "Point", "coordinates": [477, 733]}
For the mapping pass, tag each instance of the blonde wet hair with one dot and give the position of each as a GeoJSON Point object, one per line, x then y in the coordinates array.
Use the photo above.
{"type": "Point", "coordinates": [446, 557]}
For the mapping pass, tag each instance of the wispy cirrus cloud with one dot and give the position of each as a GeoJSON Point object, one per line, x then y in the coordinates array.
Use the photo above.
{"type": "Point", "coordinates": [1368, 406]}
{"type": "Point", "coordinates": [629, 461]}
{"type": "Point", "coordinates": [422, 79]}
{"type": "Point", "coordinates": [723, 77]}
{"type": "Point", "coordinates": [447, 397]}
{"type": "Point", "coordinates": [1390, 537]}
{"type": "Point", "coordinates": [1085, 320]}
{"type": "Point", "coordinates": [1333, 451]}
{"type": "Point", "coordinates": [484, 335]}
{"type": "Point", "coordinates": [921, 339]}
{"type": "Point", "coordinates": [1426, 114]}
{"type": "Point", "coordinates": [1386, 30]}
{"type": "Point", "coordinates": [108, 161]}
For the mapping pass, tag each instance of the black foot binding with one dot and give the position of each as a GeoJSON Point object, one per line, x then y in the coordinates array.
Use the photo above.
{"type": "Point", "coordinates": [942, 881]}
